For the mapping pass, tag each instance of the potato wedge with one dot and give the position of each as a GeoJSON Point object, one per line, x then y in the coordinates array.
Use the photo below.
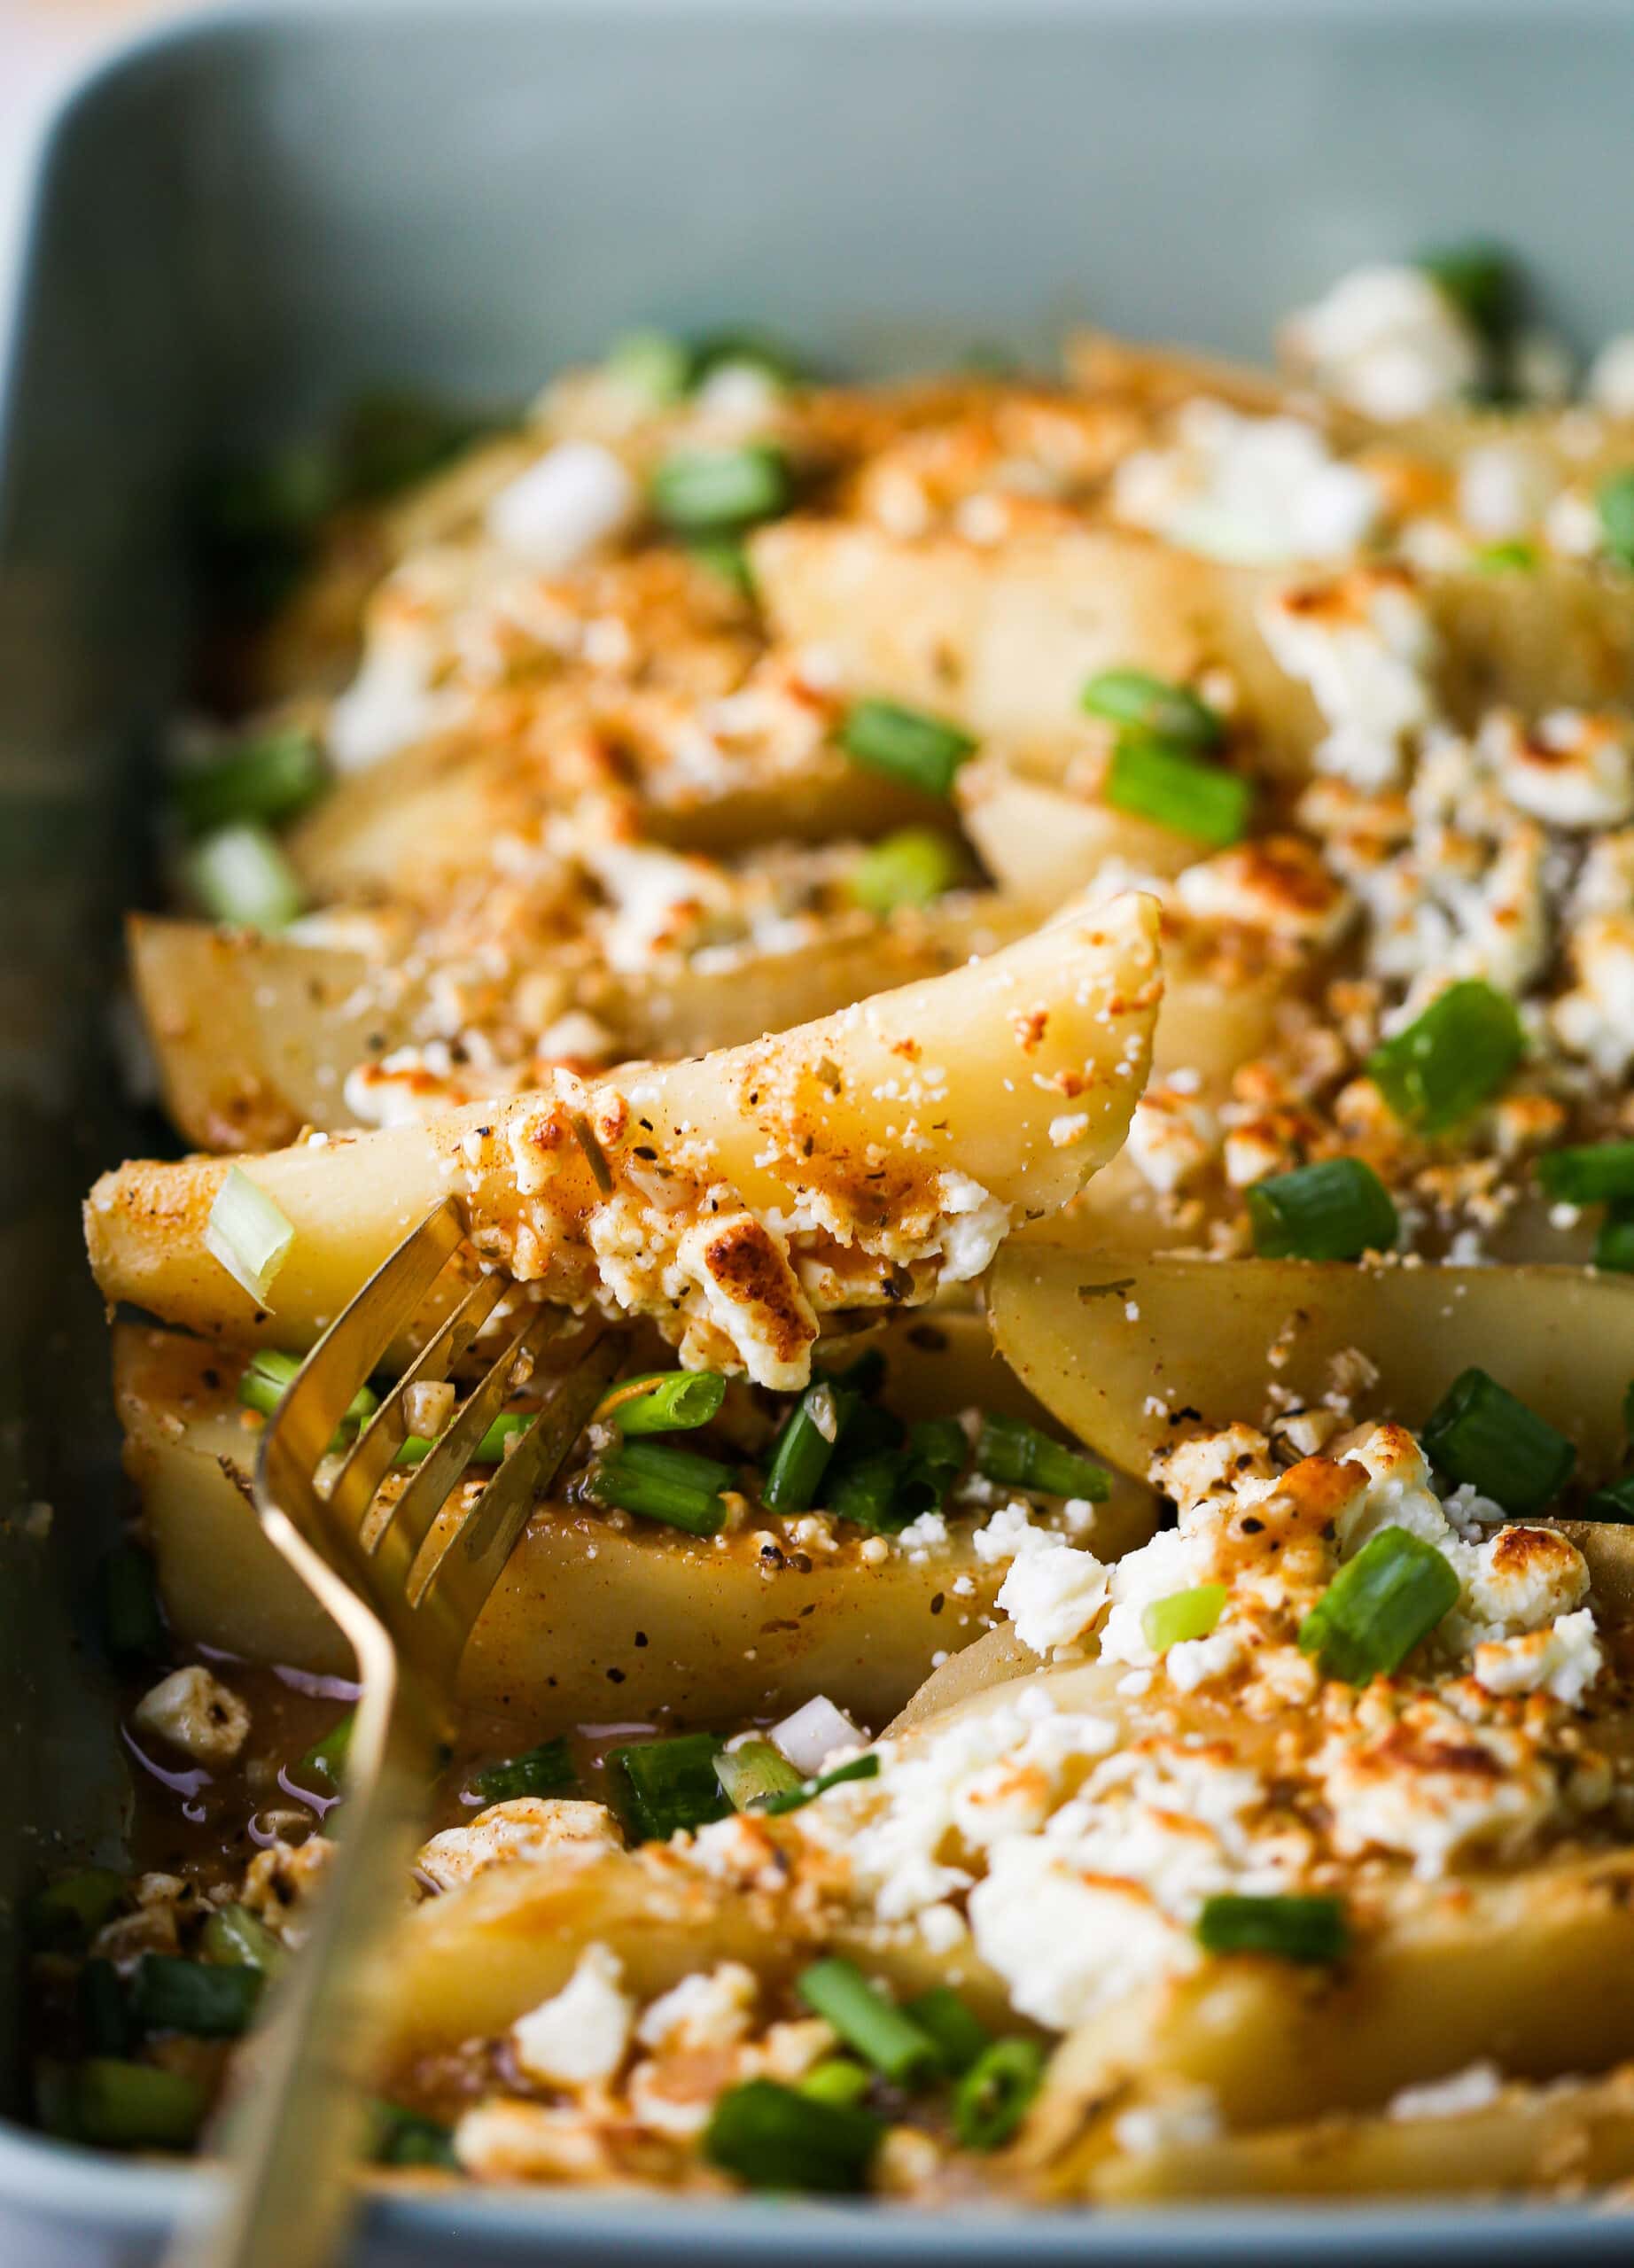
{"type": "Point", "coordinates": [856, 1121]}
{"type": "Point", "coordinates": [1044, 842]}
{"type": "Point", "coordinates": [1124, 1348]}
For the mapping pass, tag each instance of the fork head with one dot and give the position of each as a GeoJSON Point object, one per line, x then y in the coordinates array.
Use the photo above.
{"type": "Point", "coordinates": [426, 1560]}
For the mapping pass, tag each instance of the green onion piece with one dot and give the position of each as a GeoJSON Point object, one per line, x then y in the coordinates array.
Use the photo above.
{"type": "Point", "coordinates": [910, 745]}
{"type": "Point", "coordinates": [266, 780]}
{"type": "Point", "coordinates": [1293, 1929]}
{"type": "Point", "coordinates": [210, 2003]}
{"type": "Point", "coordinates": [1163, 784]}
{"type": "Point", "coordinates": [400, 2137]}
{"type": "Point", "coordinates": [864, 1375]}
{"type": "Point", "coordinates": [1020, 1456]}
{"type": "Point", "coordinates": [66, 1915]}
{"type": "Point", "coordinates": [705, 492]}
{"type": "Point", "coordinates": [105, 2026]}
{"type": "Point", "coordinates": [910, 867]}
{"type": "Point", "coordinates": [239, 874]}
{"type": "Point", "coordinates": [122, 2106]}
{"type": "Point", "coordinates": [128, 1601]}
{"type": "Point", "coordinates": [1152, 705]}
{"type": "Point", "coordinates": [805, 1446]}
{"type": "Point", "coordinates": [727, 560]}
{"type": "Point", "coordinates": [937, 1453]}
{"type": "Point", "coordinates": [1512, 559]}
{"type": "Point", "coordinates": [1335, 1210]}
{"type": "Point", "coordinates": [1614, 1503]}
{"type": "Point", "coordinates": [659, 1483]}
{"type": "Point", "coordinates": [882, 2033]}
{"type": "Point", "coordinates": [749, 350]}
{"type": "Point", "coordinates": [234, 1936]}
{"type": "Point", "coordinates": [837, 2079]}
{"type": "Point", "coordinates": [751, 1773]}
{"type": "Point", "coordinates": [547, 1770]}
{"type": "Point", "coordinates": [1614, 1245]}
{"type": "Point", "coordinates": [668, 1402]}
{"type": "Point", "coordinates": [1183, 1615]}
{"type": "Point", "coordinates": [861, 1767]}
{"type": "Point", "coordinates": [248, 1234]}
{"type": "Point", "coordinates": [1596, 1173]}
{"type": "Point", "coordinates": [651, 363]}
{"type": "Point", "coordinates": [1482, 283]}
{"type": "Point", "coordinates": [1451, 1058]}
{"type": "Point", "coordinates": [1615, 501]}
{"type": "Point", "coordinates": [324, 1764]}
{"type": "Point", "coordinates": [774, 2137]}
{"type": "Point", "coordinates": [1378, 1607]}
{"type": "Point", "coordinates": [864, 1490]}
{"type": "Point", "coordinates": [267, 1379]}
{"type": "Point", "coordinates": [1479, 1432]}
{"type": "Point", "coordinates": [414, 1448]}
{"type": "Point", "coordinates": [995, 2093]}
{"type": "Point", "coordinates": [668, 1785]}
{"type": "Point", "coordinates": [960, 2037]}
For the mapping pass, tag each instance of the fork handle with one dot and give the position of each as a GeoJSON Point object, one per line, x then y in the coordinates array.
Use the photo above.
{"type": "Point", "coordinates": [302, 2120]}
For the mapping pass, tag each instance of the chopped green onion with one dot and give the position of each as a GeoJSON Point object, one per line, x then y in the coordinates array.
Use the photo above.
{"type": "Point", "coordinates": [1152, 705]}
{"type": "Point", "coordinates": [122, 2106]}
{"type": "Point", "coordinates": [547, 1770]}
{"type": "Point", "coordinates": [1615, 501]}
{"type": "Point", "coordinates": [704, 491]}
{"type": "Point", "coordinates": [749, 350]}
{"type": "Point", "coordinates": [910, 745]}
{"type": "Point", "coordinates": [996, 2092]}
{"type": "Point", "coordinates": [861, 1767]}
{"type": "Point", "coordinates": [659, 1483]}
{"type": "Point", "coordinates": [1614, 1503]}
{"type": "Point", "coordinates": [1293, 1929]}
{"type": "Point", "coordinates": [167, 1994]}
{"type": "Point", "coordinates": [1596, 1173]}
{"type": "Point", "coordinates": [1614, 1245]}
{"type": "Point", "coordinates": [400, 2137]}
{"type": "Point", "coordinates": [132, 1620]}
{"type": "Point", "coordinates": [324, 1763]}
{"type": "Point", "coordinates": [248, 1234]}
{"type": "Point", "coordinates": [668, 1785]}
{"type": "Point", "coordinates": [1020, 1456]}
{"type": "Point", "coordinates": [754, 1773]}
{"type": "Point", "coordinates": [234, 1936]}
{"type": "Point", "coordinates": [268, 779]}
{"type": "Point", "coordinates": [1183, 1615]}
{"type": "Point", "coordinates": [489, 1450]}
{"type": "Point", "coordinates": [1379, 1606]}
{"type": "Point", "coordinates": [1510, 558]}
{"type": "Point", "coordinates": [667, 1402]}
{"type": "Point", "coordinates": [727, 560]}
{"type": "Point", "coordinates": [1334, 1210]}
{"type": "Point", "coordinates": [1451, 1058]}
{"type": "Point", "coordinates": [105, 2026]}
{"type": "Point", "coordinates": [837, 2079]}
{"type": "Point", "coordinates": [773, 2137]}
{"type": "Point", "coordinates": [1481, 1434]}
{"type": "Point", "coordinates": [911, 868]}
{"type": "Point", "coordinates": [239, 874]}
{"type": "Point", "coordinates": [806, 1445]}
{"type": "Point", "coordinates": [267, 1377]}
{"type": "Point", "coordinates": [66, 1915]}
{"type": "Point", "coordinates": [864, 1375]}
{"type": "Point", "coordinates": [865, 1491]}
{"type": "Point", "coordinates": [960, 2039]}
{"type": "Point", "coordinates": [1481, 282]}
{"type": "Point", "coordinates": [651, 363]}
{"type": "Point", "coordinates": [1155, 782]}
{"type": "Point", "coordinates": [937, 1453]}
{"type": "Point", "coordinates": [882, 2033]}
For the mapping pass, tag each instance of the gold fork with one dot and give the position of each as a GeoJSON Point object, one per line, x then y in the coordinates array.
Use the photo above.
{"type": "Point", "coordinates": [406, 1582]}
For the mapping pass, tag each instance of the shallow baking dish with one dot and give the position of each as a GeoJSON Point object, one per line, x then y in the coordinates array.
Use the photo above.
{"type": "Point", "coordinates": [238, 223]}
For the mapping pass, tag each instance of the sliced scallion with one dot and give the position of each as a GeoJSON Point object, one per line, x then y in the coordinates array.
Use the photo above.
{"type": "Point", "coordinates": [1182, 1616]}
{"type": "Point", "coordinates": [1292, 1929]}
{"type": "Point", "coordinates": [837, 2079]}
{"type": "Point", "coordinates": [1614, 502]}
{"type": "Point", "coordinates": [882, 2033]}
{"type": "Point", "coordinates": [1614, 1503]}
{"type": "Point", "coordinates": [268, 1376]}
{"type": "Point", "coordinates": [996, 2092]}
{"type": "Point", "coordinates": [414, 1448]}
{"type": "Point", "coordinates": [668, 1785]}
{"type": "Point", "coordinates": [909, 745]}
{"type": "Point", "coordinates": [66, 1913]}
{"type": "Point", "coordinates": [1483, 284]}
{"type": "Point", "coordinates": [1614, 1244]}
{"type": "Point", "coordinates": [1379, 1606]}
{"type": "Point", "coordinates": [1337, 1209]}
{"type": "Point", "coordinates": [547, 1770]}
{"type": "Point", "coordinates": [1595, 1173]}
{"type": "Point", "coordinates": [234, 1936]}
{"type": "Point", "coordinates": [1482, 1433]}
{"type": "Point", "coordinates": [1451, 1058]}
{"type": "Point", "coordinates": [1141, 702]}
{"type": "Point", "coordinates": [774, 2137]}
{"type": "Point", "coordinates": [960, 2037]}
{"type": "Point", "coordinates": [1511, 558]}
{"type": "Point", "coordinates": [864, 1490]}
{"type": "Point", "coordinates": [122, 2106]}
{"type": "Point", "coordinates": [239, 874]}
{"type": "Point", "coordinates": [861, 1767]}
{"type": "Point", "coordinates": [667, 1402]}
{"type": "Point", "coordinates": [660, 1483]}
{"type": "Point", "coordinates": [1019, 1455]}
{"type": "Point", "coordinates": [653, 364]}
{"type": "Point", "coordinates": [711, 491]}
{"type": "Point", "coordinates": [753, 1774]}
{"type": "Point", "coordinates": [727, 560]}
{"type": "Point", "coordinates": [263, 781]}
{"type": "Point", "coordinates": [1153, 780]}
{"type": "Point", "coordinates": [133, 1620]}
{"type": "Point", "coordinates": [400, 2137]}
{"type": "Point", "coordinates": [743, 350]}
{"type": "Point", "coordinates": [205, 2000]}
{"type": "Point", "coordinates": [805, 1446]}
{"type": "Point", "coordinates": [248, 1234]}
{"type": "Point", "coordinates": [324, 1764]}
{"type": "Point", "coordinates": [912, 867]}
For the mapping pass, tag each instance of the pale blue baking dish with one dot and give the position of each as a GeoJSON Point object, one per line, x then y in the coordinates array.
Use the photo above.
{"type": "Point", "coordinates": [239, 223]}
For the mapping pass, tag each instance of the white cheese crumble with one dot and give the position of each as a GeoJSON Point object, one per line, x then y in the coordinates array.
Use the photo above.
{"type": "Point", "coordinates": [579, 2037]}
{"type": "Point", "coordinates": [1365, 645]}
{"type": "Point", "coordinates": [1473, 2088]}
{"type": "Point", "coordinates": [1386, 339]}
{"type": "Point", "coordinates": [1258, 490]}
{"type": "Point", "coordinates": [575, 498]}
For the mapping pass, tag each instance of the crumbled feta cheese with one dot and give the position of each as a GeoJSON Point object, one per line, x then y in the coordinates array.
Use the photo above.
{"type": "Point", "coordinates": [1199, 1661]}
{"type": "Point", "coordinates": [711, 2009]}
{"type": "Point", "coordinates": [1279, 883]}
{"type": "Point", "coordinates": [1052, 1595]}
{"type": "Point", "coordinates": [524, 1828]}
{"type": "Point", "coordinates": [1365, 645]}
{"type": "Point", "coordinates": [1563, 1661]}
{"type": "Point", "coordinates": [507, 2139]}
{"type": "Point", "coordinates": [1187, 2117]}
{"type": "Point", "coordinates": [1387, 341]}
{"type": "Point", "coordinates": [1171, 1139]}
{"type": "Point", "coordinates": [1473, 2088]}
{"type": "Point", "coordinates": [1251, 489]}
{"type": "Point", "coordinates": [974, 1223]}
{"type": "Point", "coordinates": [575, 498]}
{"type": "Point", "coordinates": [1522, 1578]}
{"type": "Point", "coordinates": [193, 1712]}
{"type": "Point", "coordinates": [1570, 769]}
{"type": "Point", "coordinates": [1595, 1019]}
{"type": "Point", "coordinates": [1066, 1946]}
{"type": "Point", "coordinates": [579, 2037]}
{"type": "Point", "coordinates": [1504, 490]}
{"type": "Point", "coordinates": [1610, 382]}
